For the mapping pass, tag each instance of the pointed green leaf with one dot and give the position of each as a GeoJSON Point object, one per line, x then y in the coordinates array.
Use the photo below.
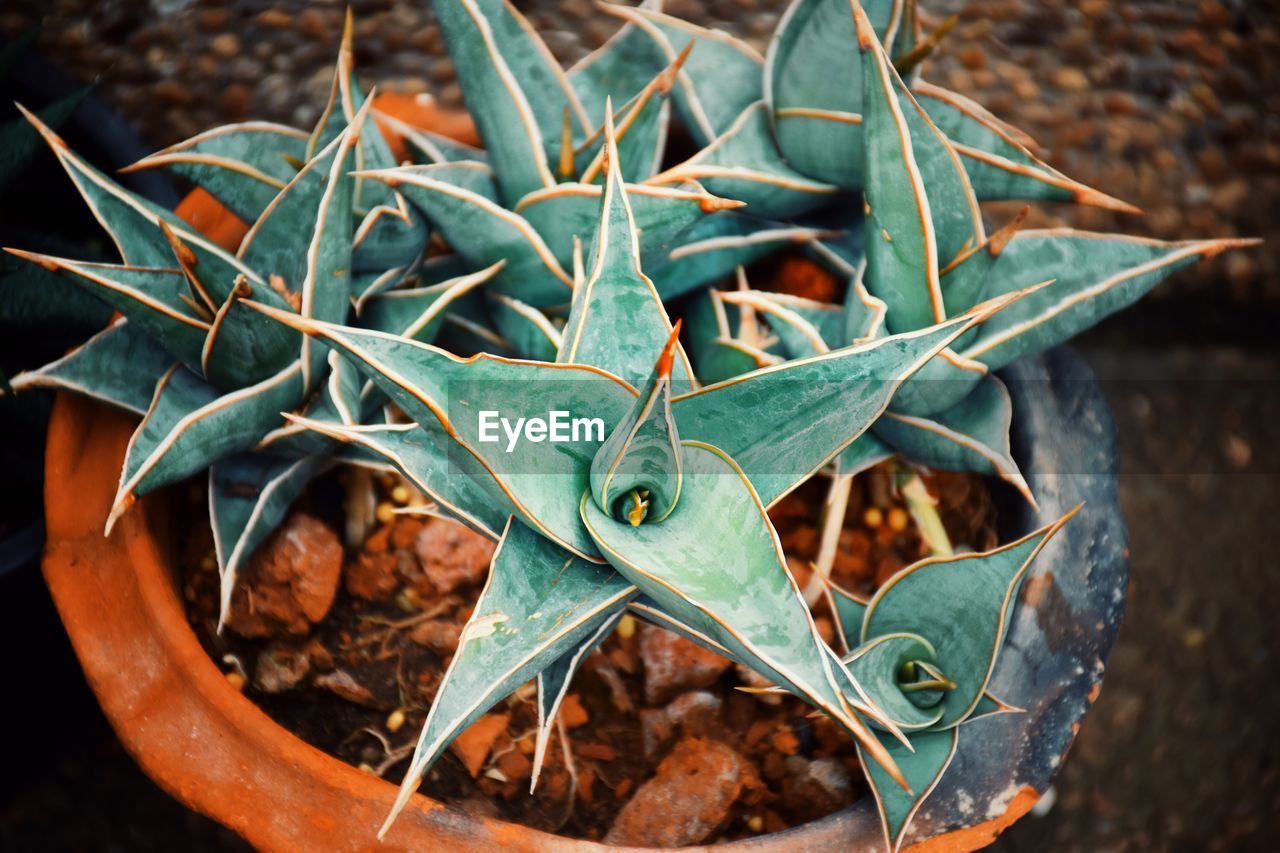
{"type": "Point", "coordinates": [120, 365]}
{"type": "Point", "coordinates": [923, 767]}
{"type": "Point", "coordinates": [539, 602]}
{"type": "Point", "coordinates": [617, 70]}
{"type": "Point", "coordinates": [423, 454]}
{"type": "Point", "coordinates": [484, 233]}
{"type": "Point", "coordinates": [876, 664]}
{"type": "Point", "coordinates": [553, 686]}
{"type": "Point", "coordinates": [1094, 276]}
{"type": "Point", "coordinates": [515, 122]}
{"type": "Point", "coordinates": [939, 384]}
{"type": "Point", "coordinates": [242, 165]}
{"type": "Point", "coordinates": [526, 328]}
{"type": "Point", "coordinates": [829, 400]}
{"type": "Point", "coordinates": [716, 564]}
{"type": "Point", "coordinates": [155, 300]}
{"type": "Point", "coordinates": [542, 479]}
{"type": "Point", "coordinates": [996, 157]}
{"type": "Point", "coordinates": [720, 78]}
{"type": "Point", "coordinates": [813, 85]}
{"type": "Point", "coordinates": [189, 426]}
{"type": "Point", "coordinates": [642, 132]}
{"type": "Point", "coordinates": [743, 163]}
{"type": "Point", "coordinates": [241, 347]}
{"type": "Point", "coordinates": [715, 246]}
{"type": "Point", "coordinates": [418, 312]}
{"type": "Point", "coordinates": [661, 214]}
{"type": "Point", "coordinates": [902, 251]}
{"type": "Point", "coordinates": [249, 495]}
{"type": "Point", "coordinates": [962, 606]}
{"type": "Point", "coordinates": [972, 435]}
{"type": "Point", "coordinates": [805, 327]}
{"type": "Point", "coordinates": [618, 295]}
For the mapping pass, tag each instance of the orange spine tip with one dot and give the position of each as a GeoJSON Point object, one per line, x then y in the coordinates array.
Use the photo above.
{"type": "Point", "coordinates": [667, 359]}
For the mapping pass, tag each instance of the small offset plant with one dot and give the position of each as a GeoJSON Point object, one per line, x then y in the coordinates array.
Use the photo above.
{"type": "Point", "coordinates": [269, 365]}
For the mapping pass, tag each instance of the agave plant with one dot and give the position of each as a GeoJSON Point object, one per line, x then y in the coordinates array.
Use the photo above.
{"type": "Point", "coordinates": [665, 510]}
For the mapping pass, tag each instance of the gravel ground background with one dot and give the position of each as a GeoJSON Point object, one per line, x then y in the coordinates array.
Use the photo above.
{"type": "Point", "coordinates": [1171, 105]}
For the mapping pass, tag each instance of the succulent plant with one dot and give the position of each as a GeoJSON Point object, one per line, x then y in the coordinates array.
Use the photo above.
{"type": "Point", "coordinates": [663, 510]}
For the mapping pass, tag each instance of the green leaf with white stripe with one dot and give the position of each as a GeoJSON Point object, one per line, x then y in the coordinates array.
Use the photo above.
{"type": "Point", "coordinates": [902, 252]}
{"type": "Point", "coordinates": [744, 164]}
{"type": "Point", "coordinates": [249, 495]}
{"type": "Point", "coordinates": [828, 401]}
{"type": "Point", "coordinates": [618, 295]}
{"type": "Point", "coordinates": [719, 79]}
{"type": "Point", "coordinates": [750, 602]}
{"type": "Point", "coordinates": [155, 300]}
{"type": "Point", "coordinates": [484, 232]}
{"type": "Point", "coordinates": [813, 85]}
{"type": "Point", "coordinates": [242, 165]}
{"type": "Point", "coordinates": [972, 435]}
{"type": "Point", "coordinates": [961, 605]}
{"type": "Point", "coordinates": [1094, 276]}
{"type": "Point", "coordinates": [538, 603]}
{"type": "Point", "coordinates": [923, 766]}
{"type": "Point", "coordinates": [120, 366]}
{"type": "Point", "coordinates": [526, 328]}
{"type": "Point", "coordinates": [618, 69]}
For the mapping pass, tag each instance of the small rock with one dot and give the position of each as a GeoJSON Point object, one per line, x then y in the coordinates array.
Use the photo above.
{"type": "Point", "coordinates": [572, 714]}
{"type": "Point", "coordinates": [689, 714]}
{"type": "Point", "coordinates": [439, 635]}
{"type": "Point", "coordinates": [474, 744]}
{"type": "Point", "coordinates": [685, 801]}
{"type": "Point", "coordinates": [340, 683]}
{"type": "Point", "coordinates": [313, 24]}
{"type": "Point", "coordinates": [452, 555]}
{"type": "Point", "coordinates": [225, 45]}
{"type": "Point", "coordinates": [673, 664]}
{"type": "Point", "coordinates": [290, 582]}
{"type": "Point", "coordinates": [816, 788]}
{"type": "Point", "coordinates": [280, 668]}
{"type": "Point", "coordinates": [371, 577]}
{"type": "Point", "coordinates": [276, 19]}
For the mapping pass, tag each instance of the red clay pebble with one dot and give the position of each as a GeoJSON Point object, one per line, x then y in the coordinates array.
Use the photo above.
{"type": "Point", "coordinates": [290, 582]}
{"type": "Point", "coordinates": [452, 555]}
{"type": "Point", "coordinates": [371, 576]}
{"type": "Point", "coordinates": [280, 668]}
{"type": "Point", "coordinates": [474, 744]}
{"type": "Point", "coordinates": [673, 664]}
{"type": "Point", "coordinates": [686, 801]}
{"type": "Point", "coordinates": [688, 714]}
{"type": "Point", "coordinates": [816, 788]}
{"type": "Point", "coordinates": [341, 684]}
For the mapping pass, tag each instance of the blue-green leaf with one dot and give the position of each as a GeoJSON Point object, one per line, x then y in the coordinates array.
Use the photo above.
{"type": "Point", "coordinates": [120, 365]}
{"type": "Point", "coordinates": [1095, 275]}
{"type": "Point", "coordinates": [813, 85]}
{"type": "Point", "coordinates": [716, 564]}
{"type": "Point", "coordinates": [829, 400]}
{"type": "Point", "coordinates": [242, 165]}
{"type": "Point", "coordinates": [742, 163]}
{"type": "Point", "coordinates": [720, 78]}
{"type": "Point", "coordinates": [962, 606]}
{"type": "Point", "coordinates": [972, 435]}
{"type": "Point", "coordinates": [526, 328]}
{"type": "Point", "coordinates": [618, 295]}
{"type": "Point", "coordinates": [249, 495]}
{"type": "Point", "coordinates": [539, 602]}
{"type": "Point", "coordinates": [922, 766]}
{"type": "Point", "coordinates": [617, 70]}
{"type": "Point", "coordinates": [484, 233]}
{"type": "Point", "coordinates": [640, 460]}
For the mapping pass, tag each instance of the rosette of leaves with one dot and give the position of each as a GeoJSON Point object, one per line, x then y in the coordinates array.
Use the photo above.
{"type": "Point", "coordinates": [210, 376]}
{"type": "Point", "coordinates": [666, 512]}
{"type": "Point", "coordinates": [924, 648]}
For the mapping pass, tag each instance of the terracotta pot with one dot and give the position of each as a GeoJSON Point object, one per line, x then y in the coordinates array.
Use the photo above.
{"type": "Point", "coordinates": [213, 749]}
